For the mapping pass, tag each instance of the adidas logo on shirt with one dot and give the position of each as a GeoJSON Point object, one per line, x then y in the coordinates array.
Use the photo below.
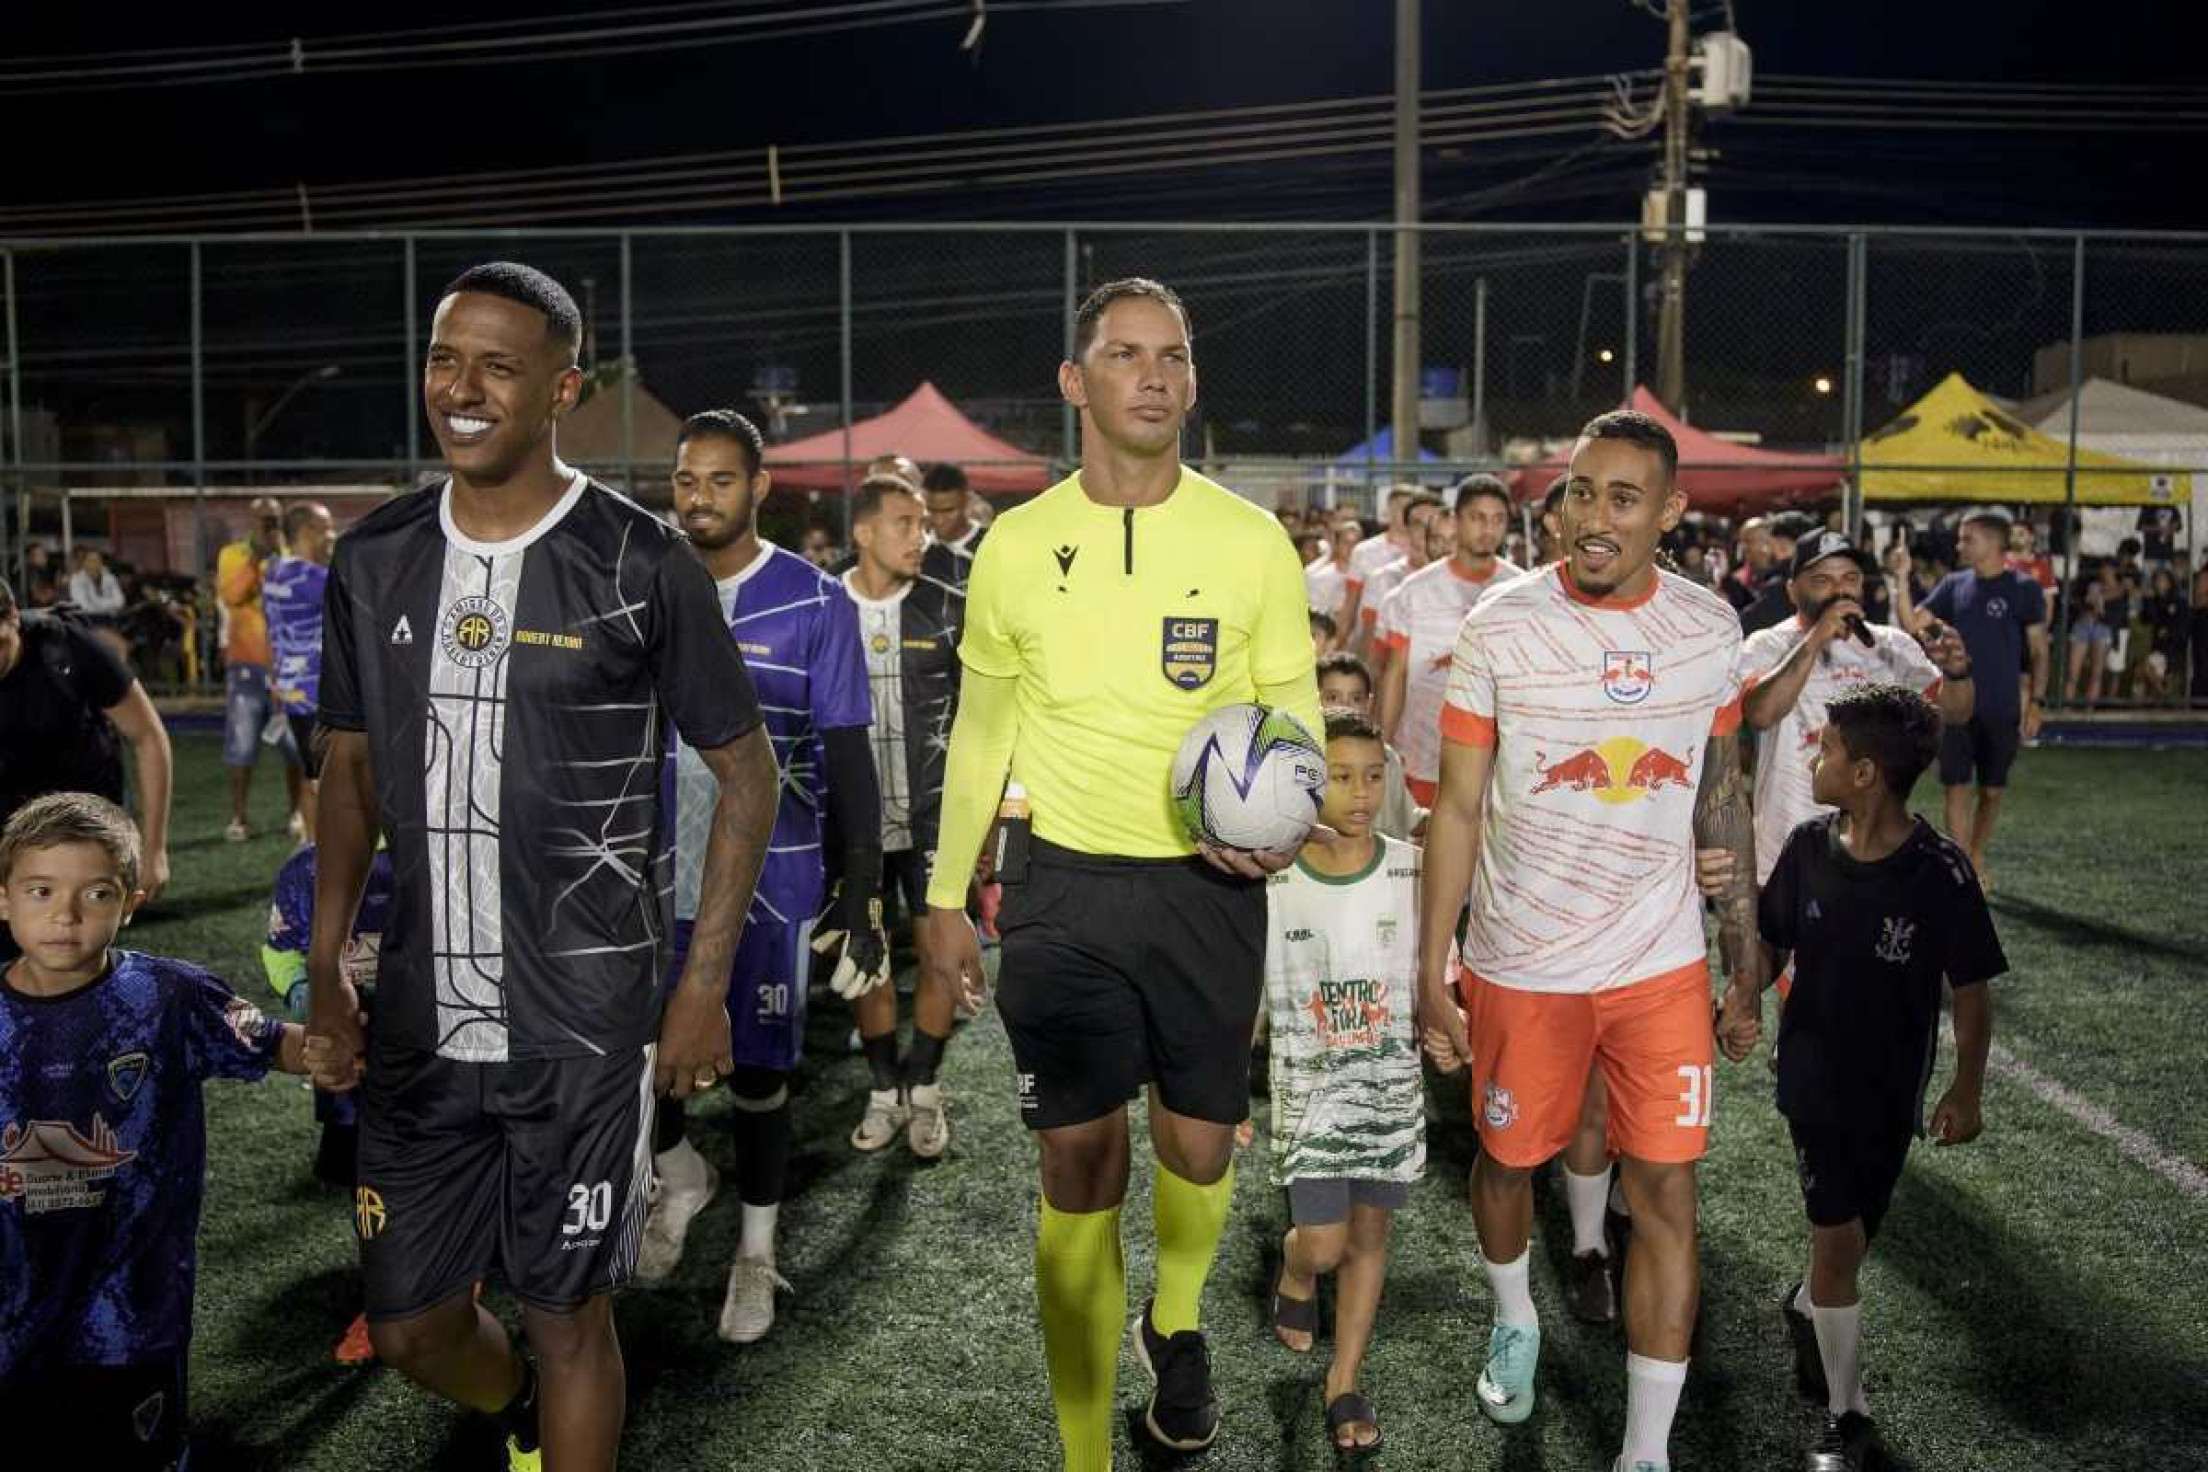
{"type": "Point", "coordinates": [402, 632]}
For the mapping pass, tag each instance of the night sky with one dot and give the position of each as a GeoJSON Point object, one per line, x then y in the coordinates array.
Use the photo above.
{"type": "Point", "coordinates": [1107, 62]}
{"type": "Point", "coordinates": [1295, 354]}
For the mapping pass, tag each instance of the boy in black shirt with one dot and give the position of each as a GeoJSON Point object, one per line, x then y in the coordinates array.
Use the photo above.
{"type": "Point", "coordinates": [1875, 907]}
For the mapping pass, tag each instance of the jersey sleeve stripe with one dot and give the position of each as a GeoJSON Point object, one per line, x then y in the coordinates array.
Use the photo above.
{"type": "Point", "coordinates": [1466, 729]}
{"type": "Point", "coordinates": [1727, 719]}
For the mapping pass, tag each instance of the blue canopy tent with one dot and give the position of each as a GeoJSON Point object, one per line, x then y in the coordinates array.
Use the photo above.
{"type": "Point", "coordinates": [1379, 449]}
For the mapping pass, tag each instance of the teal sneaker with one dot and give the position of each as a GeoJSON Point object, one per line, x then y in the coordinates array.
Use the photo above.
{"type": "Point", "coordinates": [1506, 1385]}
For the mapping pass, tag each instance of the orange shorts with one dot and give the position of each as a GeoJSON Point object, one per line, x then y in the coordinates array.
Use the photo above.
{"type": "Point", "coordinates": [1531, 1052]}
{"type": "Point", "coordinates": [1422, 793]}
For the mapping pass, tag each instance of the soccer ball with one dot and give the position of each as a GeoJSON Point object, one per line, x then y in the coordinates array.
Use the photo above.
{"type": "Point", "coordinates": [1249, 777]}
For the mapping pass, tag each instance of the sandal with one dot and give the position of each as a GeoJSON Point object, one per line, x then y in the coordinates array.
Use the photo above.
{"type": "Point", "coordinates": [1294, 1315]}
{"type": "Point", "coordinates": [1349, 1409]}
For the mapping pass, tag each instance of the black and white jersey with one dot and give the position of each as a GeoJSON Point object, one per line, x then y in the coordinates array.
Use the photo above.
{"type": "Point", "coordinates": [1871, 944]}
{"type": "Point", "coordinates": [911, 644]}
{"type": "Point", "coordinates": [516, 697]}
{"type": "Point", "coordinates": [953, 562]}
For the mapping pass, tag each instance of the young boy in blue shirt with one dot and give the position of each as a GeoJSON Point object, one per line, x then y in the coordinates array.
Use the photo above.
{"type": "Point", "coordinates": [103, 1142]}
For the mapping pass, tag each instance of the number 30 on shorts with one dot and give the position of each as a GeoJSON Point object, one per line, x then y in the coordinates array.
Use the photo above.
{"type": "Point", "coordinates": [588, 1207]}
{"type": "Point", "coordinates": [1694, 1099]}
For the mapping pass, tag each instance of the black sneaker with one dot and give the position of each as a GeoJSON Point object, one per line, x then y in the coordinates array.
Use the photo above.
{"type": "Point", "coordinates": [1845, 1443]}
{"type": "Point", "coordinates": [1809, 1361]}
{"type": "Point", "coordinates": [1183, 1415]}
{"type": "Point", "coordinates": [1588, 1293]}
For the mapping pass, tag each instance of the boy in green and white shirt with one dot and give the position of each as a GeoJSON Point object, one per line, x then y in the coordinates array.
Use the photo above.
{"type": "Point", "coordinates": [1348, 1117]}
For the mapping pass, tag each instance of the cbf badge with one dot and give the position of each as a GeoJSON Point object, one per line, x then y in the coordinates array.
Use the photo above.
{"type": "Point", "coordinates": [1189, 651]}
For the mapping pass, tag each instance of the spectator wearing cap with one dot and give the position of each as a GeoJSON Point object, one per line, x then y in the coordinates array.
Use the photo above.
{"type": "Point", "coordinates": [1791, 672]}
{"type": "Point", "coordinates": [1772, 606]}
{"type": "Point", "coordinates": [65, 699]}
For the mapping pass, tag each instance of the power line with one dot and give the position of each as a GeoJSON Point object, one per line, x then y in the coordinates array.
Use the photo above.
{"type": "Point", "coordinates": [612, 33]}
{"type": "Point", "coordinates": [819, 172]}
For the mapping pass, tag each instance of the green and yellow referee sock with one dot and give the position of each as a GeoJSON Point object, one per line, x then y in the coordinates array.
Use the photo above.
{"type": "Point", "coordinates": [1190, 1219]}
{"type": "Point", "coordinates": [1081, 1281]}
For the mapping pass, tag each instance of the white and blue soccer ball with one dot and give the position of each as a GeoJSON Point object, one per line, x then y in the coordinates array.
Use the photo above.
{"type": "Point", "coordinates": [1249, 777]}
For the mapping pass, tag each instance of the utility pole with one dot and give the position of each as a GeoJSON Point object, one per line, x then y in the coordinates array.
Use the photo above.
{"type": "Point", "coordinates": [1405, 416]}
{"type": "Point", "coordinates": [1671, 310]}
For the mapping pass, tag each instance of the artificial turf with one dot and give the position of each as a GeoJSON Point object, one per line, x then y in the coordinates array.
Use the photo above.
{"type": "Point", "coordinates": [2035, 1301]}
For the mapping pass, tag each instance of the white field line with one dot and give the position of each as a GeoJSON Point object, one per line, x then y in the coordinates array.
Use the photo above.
{"type": "Point", "coordinates": [2175, 1169]}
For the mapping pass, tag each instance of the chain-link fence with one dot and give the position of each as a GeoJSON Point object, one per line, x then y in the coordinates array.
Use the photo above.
{"type": "Point", "coordinates": [152, 387]}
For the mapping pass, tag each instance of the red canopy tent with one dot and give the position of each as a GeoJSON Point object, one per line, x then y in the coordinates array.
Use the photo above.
{"type": "Point", "coordinates": [1716, 474]}
{"type": "Point", "coordinates": [926, 426]}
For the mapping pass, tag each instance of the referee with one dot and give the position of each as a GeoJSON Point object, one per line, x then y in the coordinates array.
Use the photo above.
{"type": "Point", "coordinates": [1103, 619]}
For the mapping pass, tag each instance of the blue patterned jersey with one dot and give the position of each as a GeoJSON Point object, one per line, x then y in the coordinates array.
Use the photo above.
{"type": "Point", "coordinates": [291, 917]}
{"type": "Point", "coordinates": [800, 636]}
{"type": "Point", "coordinates": [103, 1157]}
{"type": "Point", "coordinates": [291, 597]}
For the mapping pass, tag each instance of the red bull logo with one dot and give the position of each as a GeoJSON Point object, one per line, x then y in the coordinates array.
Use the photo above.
{"type": "Point", "coordinates": [1620, 770]}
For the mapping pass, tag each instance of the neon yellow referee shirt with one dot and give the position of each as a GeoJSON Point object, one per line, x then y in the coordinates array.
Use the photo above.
{"type": "Point", "coordinates": [1122, 626]}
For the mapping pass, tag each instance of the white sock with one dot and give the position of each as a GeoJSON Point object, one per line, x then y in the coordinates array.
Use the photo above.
{"type": "Point", "coordinates": [756, 1239]}
{"type": "Point", "coordinates": [1651, 1398]}
{"type": "Point", "coordinates": [1802, 1305]}
{"type": "Point", "coordinates": [1840, 1346]}
{"type": "Point", "coordinates": [1513, 1292]}
{"type": "Point", "coordinates": [1587, 1195]}
{"type": "Point", "coordinates": [681, 1167]}
{"type": "Point", "coordinates": [1618, 1203]}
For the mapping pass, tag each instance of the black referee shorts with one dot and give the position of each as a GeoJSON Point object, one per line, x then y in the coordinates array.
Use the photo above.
{"type": "Point", "coordinates": [1121, 972]}
{"type": "Point", "coordinates": [1848, 1173]}
{"type": "Point", "coordinates": [533, 1172]}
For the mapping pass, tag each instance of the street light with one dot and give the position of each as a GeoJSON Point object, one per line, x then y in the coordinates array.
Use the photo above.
{"type": "Point", "coordinates": [1606, 356]}
{"type": "Point", "coordinates": [322, 374]}
{"type": "Point", "coordinates": [1822, 384]}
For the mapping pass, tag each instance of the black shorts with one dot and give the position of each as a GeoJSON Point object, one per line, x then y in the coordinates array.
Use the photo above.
{"type": "Point", "coordinates": [1848, 1173]}
{"type": "Point", "coordinates": [533, 1172]}
{"type": "Point", "coordinates": [1980, 746]}
{"type": "Point", "coordinates": [127, 1417]}
{"type": "Point", "coordinates": [302, 736]}
{"type": "Point", "coordinates": [1121, 972]}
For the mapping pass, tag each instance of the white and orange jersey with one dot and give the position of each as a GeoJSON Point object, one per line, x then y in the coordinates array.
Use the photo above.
{"type": "Point", "coordinates": [1783, 754]}
{"type": "Point", "coordinates": [1419, 621]}
{"type": "Point", "coordinates": [1374, 553]}
{"type": "Point", "coordinates": [1377, 588]}
{"type": "Point", "coordinates": [1599, 713]}
{"type": "Point", "coordinates": [1326, 587]}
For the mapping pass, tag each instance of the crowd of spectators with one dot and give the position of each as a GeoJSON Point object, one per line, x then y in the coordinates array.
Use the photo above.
{"type": "Point", "coordinates": [2137, 620]}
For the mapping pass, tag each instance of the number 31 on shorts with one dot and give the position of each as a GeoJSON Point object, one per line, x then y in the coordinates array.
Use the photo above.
{"type": "Point", "coordinates": [1695, 1098]}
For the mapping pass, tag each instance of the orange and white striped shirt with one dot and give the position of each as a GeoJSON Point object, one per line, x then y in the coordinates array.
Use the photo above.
{"type": "Point", "coordinates": [1420, 620]}
{"type": "Point", "coordinates": [1599, 712]}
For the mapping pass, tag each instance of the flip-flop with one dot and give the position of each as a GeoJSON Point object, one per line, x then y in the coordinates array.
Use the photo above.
{"type": "Point", "coordinates": [1297, 1315]}
{"type": "Point", "coordinates": [1349, 1408]}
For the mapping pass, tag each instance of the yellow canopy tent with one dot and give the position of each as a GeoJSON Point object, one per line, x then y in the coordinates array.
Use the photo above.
{"type": "Point", "coordinates": [1955, 444]}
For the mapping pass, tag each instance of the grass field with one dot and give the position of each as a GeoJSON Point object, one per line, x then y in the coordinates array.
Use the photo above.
{"type": "Point", "coordinates": [2038, 1300]}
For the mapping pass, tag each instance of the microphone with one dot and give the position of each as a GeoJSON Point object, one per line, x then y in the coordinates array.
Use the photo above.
{"type": "Point", "coordinates": [1861, 631]}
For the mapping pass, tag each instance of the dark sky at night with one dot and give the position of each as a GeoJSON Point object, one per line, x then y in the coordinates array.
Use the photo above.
{"type": "Point", "coordinates": [1039, 68]}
